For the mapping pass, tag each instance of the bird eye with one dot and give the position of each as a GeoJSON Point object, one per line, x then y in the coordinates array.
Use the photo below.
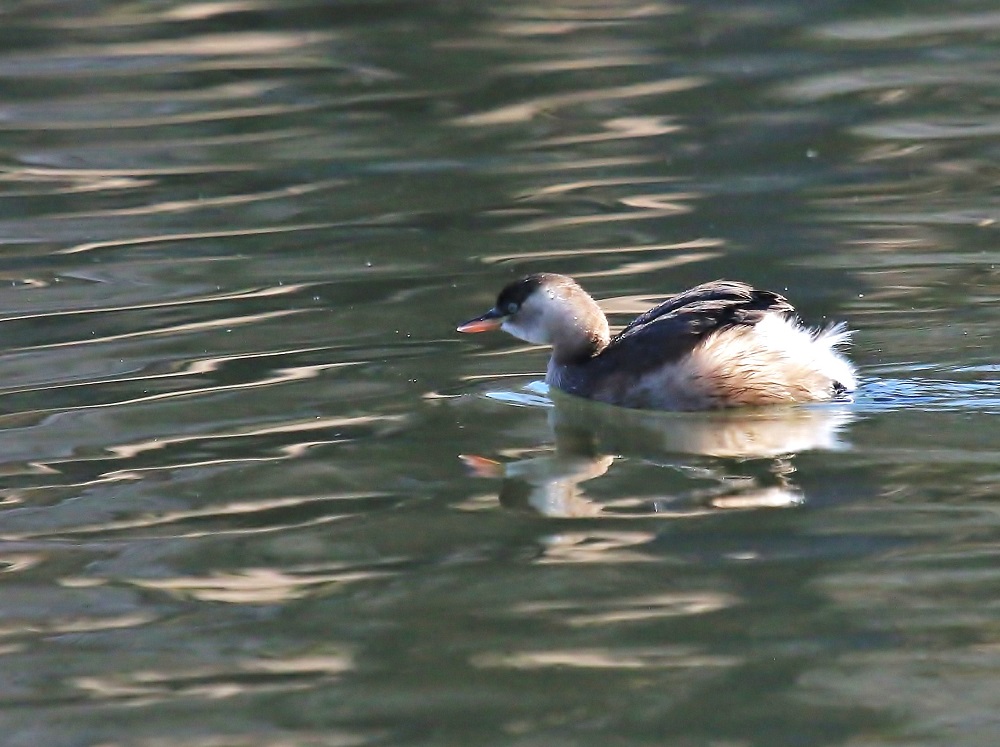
{"type": "Point", "coordinates": [512, 308]}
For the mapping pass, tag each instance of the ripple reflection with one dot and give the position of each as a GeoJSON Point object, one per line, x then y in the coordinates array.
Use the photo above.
{"type": "Point", "coordinates": [242, 677]}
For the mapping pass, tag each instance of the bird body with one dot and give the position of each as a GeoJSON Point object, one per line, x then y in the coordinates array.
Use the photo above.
{"type": "Point", "coordinates": [720, 344]}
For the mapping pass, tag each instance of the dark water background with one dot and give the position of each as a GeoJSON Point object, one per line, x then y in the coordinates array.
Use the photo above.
{"type": "Point", "coordinates": [256, 492]}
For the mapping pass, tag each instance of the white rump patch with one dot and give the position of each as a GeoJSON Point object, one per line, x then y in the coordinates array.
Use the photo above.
{"type": "Point", "coordinates": [775, 361]}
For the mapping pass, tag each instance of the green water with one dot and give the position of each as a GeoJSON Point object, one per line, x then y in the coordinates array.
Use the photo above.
{"type": "Point", "coordinates": [256, 491]}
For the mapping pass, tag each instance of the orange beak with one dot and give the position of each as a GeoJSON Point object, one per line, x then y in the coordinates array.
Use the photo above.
{"type": "Point", "coordinates": [492, 319]}
{"type": "Point", "coordinates": [480, 466]}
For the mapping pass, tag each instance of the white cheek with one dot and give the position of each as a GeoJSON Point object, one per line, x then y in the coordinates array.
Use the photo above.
{"type": "Point", "coordinates": [534, 336]}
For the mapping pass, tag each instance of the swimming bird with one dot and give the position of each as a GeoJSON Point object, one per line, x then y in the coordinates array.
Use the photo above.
{"type": "Point", "coordinates": [719, 344]}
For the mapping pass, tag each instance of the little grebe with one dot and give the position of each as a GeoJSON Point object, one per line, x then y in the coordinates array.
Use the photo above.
{"type": "Point", "coordinates": [720, 344]}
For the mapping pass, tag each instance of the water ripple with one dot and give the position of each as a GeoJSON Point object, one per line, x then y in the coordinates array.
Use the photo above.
{"type": "Point", "coordinates": [230, 51]}
{"type": "Point", "coordinates": [585, 613]}
{"type": "Point", "coordinates": [909, 26]}
{"type": "Point", "coordinates": [241, 677]}
{"type": "Point", "coordinates": [649, 206]}
{"type": "Point", "coordinates": [548, 255]}
{"type": "Point", "coordinates": [243, 518]}
{"type": "Point", "coordinates": [235, 295]}
{"type": "Point", "coordinates": [197, 236]}
{"type": "Point", "coordinates": [531, 109]}
{"type": "Point", "coordinates": [260, 585]}
{"type": "Point", "coordinates": [210, 203]}
{"type": "Point", "coordinates": [666, 657]}
{"type": "Point", "coordinates": [898, 81]}
{"type": "Point", "coordinates": [929, 395]}
{"type": "Point", "coordinates": [932, 128]}
{"type": "Point", "coordinates": [171, 330]}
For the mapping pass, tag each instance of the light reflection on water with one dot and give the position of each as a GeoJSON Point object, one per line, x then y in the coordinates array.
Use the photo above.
{"type": "Point", "coordinates": [255, 491]}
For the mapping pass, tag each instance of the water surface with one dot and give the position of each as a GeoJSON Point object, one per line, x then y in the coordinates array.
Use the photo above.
{"type": "Point", "coordinates": [256, 491]}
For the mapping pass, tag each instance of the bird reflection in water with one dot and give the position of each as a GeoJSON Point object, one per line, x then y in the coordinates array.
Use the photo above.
{"type": "Point", "coordinates": [589, 436]}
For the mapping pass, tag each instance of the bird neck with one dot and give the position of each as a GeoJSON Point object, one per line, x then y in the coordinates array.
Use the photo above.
{"type": "Point", "coordinates": [582, 334]}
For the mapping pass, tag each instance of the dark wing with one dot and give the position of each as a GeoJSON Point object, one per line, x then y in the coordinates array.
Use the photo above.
{"type": "Point", "coordinates": [670, 330]}
{"type": "Point", "coordinates": [715, 304]}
